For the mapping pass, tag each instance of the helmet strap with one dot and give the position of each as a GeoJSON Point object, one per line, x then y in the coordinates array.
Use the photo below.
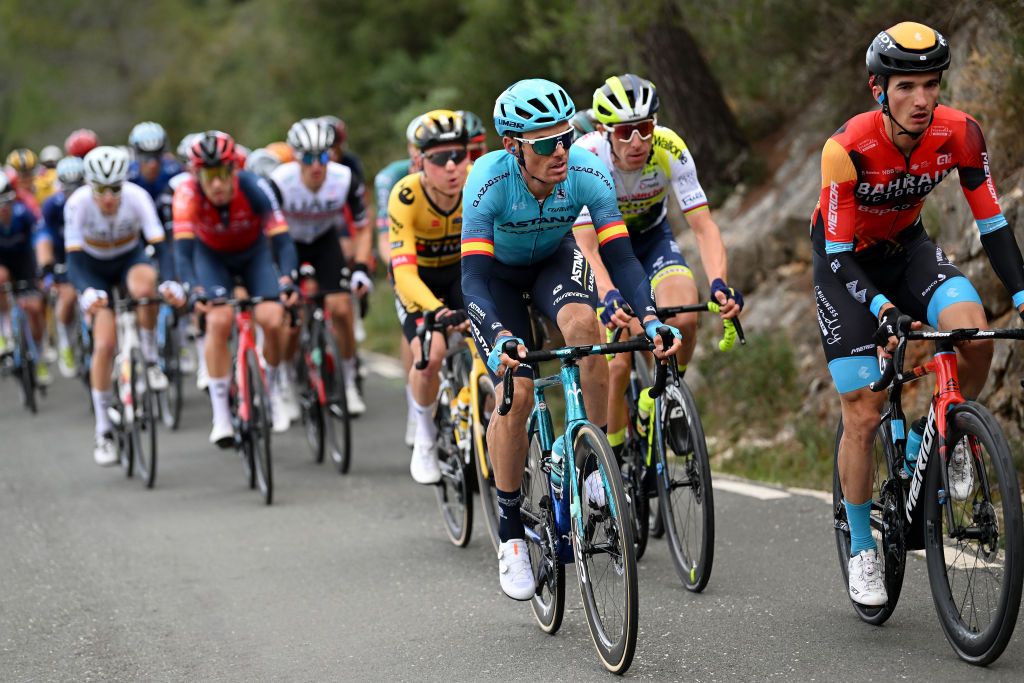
{"type": "Point", "coordinates": [884, 83]}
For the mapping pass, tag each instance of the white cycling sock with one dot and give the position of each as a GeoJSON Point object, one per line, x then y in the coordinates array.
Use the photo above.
{"type": "Point", "coordinates": [273, 378]}
{"type": "Point", "coordinates": [349, 367]}
{"type": "Point", "coordinates": [63, 336]}
{"type": "Point", "coordinates": [147, 338]}
{"type": "Point", "coordinates": [201, 352]}
{"type": "Point", "coordinates": [410, 404]}
{"type": "Point", "coordinates": [426, 430]}
{"type": "Point", "coordinates": [101, 400]}
{"type": "Point", "coordinates": [5, 324]}
{"type": "Point", "coordinates": [219, 387]}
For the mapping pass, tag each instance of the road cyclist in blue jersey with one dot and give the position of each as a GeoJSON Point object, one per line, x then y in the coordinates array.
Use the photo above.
{"type": "Point", "coordinates": [519, 205]}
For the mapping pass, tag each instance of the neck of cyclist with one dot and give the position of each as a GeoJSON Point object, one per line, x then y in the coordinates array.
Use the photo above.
{"type": "Point", "coordinates": [538, 187]}
{"type": "Point", "coordinates": [442, 199]}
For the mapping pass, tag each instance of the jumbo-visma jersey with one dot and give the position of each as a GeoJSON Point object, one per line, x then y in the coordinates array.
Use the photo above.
{"type": "Point", "coordinates": [870, 192]}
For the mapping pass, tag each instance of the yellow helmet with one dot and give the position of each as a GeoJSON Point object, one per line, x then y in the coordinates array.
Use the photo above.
{"type": "Point", "coordinates": [438, 127]}
{"type": "Point", "coordinates": [22, 160]}
{"type": "Point", "coordinates": [625, 98]}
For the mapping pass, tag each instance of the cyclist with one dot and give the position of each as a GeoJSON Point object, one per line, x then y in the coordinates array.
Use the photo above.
{"type": "Point", "coordinates": [315, 193]}
{"type": "Point", "coordinates": [152, 168]}
{"type": "Point", "coordinates": [80, 142]}
{"type": "Point", "coordinates": [645, 161]}
{"type": "Point", "coordinates": [22, 164]}
{"type": "Point", "coordinates": [105, 225]}
{"type": "Point", "coordinates": [425, 216]}
{"type": "Point", "coordinates": [477, 132]}
{"type": "Point", "coordinates": [21, 243]}
{"type": "Point", "coordinates": [584, 122]}
{"type": "Point", "coordinates": [519, 205]}
{"type": "Point", "coordinates": [225, 223]}
{"type": "Point", "coordinates": [873, 259]}
{"type": "Point", "coordinates": [45, 183]}
{"type": "Point", "coordinates": [71, 175]}
{"type": "Point", "coordinates": [50, 155]}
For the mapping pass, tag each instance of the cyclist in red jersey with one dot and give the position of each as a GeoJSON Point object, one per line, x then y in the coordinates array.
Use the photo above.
{"type": "Point", "coordinates": [873, 259]}
{"type": "Point", "coordinates": [225, 222]}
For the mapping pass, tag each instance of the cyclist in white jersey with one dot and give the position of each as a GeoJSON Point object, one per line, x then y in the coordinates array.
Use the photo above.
{"type": "Point", "coordinates": [105, 223]}
{"type": "Point", "coordinates": [314, 194]}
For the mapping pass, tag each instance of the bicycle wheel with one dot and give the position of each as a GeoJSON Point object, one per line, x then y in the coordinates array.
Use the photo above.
{"type": "Point", "coordinates": [605, 560]}
{"type": "Point", "coordinates": [144, 420]}
{"type": "Point", "coordinates": [548, 604]}
{"type": "Point", "coordinates": [454, 496]}
{"type": "Point", "coordinates": [243, 429]}
{"type": "Point", "coordinates": [339, 424]}
{"type": "Point", "coordinates": [259, 428]}
{"type": "Point", "coordinates": [888, 506]}
{"type": "Point", "coordinates": [636, 498]}
{"type": "Point", "coordinates": [308, 381]}
{"type": "Point", "coordinates": [482, 411]}
{"type": "Point", "coordinates": [973, 545]}
{"type": "Point", "coordinates": [171, 400]}
{"type": "Point", "coordinates": [27, 366]}
{"type": "Point", "coordinates": [655, 527]}
{"type": "Point", "coordinates": [122, 433]}
{"type": "Point", "coordinates": [684, 486]}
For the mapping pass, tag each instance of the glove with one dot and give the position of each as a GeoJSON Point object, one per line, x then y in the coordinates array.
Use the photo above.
{"type": "Point", "coordinates": [651, 329]}
{"type": "Point", "coordinates": [361, 278]}
{"type": "Point", "coordinates": [887, 327]}
{"type": "Point", "coordinates": [48, 276]}
{"type": "Point", "coordinates": [718, 285]}
{"type": "Point", "coordinates": [494, 357]}
{"type": "Point", "coordinates": [451, 318]}
{"type": "Point", "coordinates": [89, 297]}
{"type": "Point", "coordinates": [611, 302]}
{"type": "Point", "coordinates": [170, 289]}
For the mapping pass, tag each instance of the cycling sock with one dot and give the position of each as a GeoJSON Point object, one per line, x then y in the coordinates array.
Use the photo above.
{"type": "Point", "coordinates": [617, 440]}
{"type": "Point", "coordinates": [219, 387]}
{"type": "Point", "coordinates": [273, 378]}
{"type": "Point", "coordinates": [510, 522]}
{"type": "Point", "coordinates": [426, 430]}
{"type": "Point", "coordinates": [5, 324]}
{"type": "Point", "coordinates": [859, 518]}
{"type": "Point", "coordinates": [349, 366]}
{"type": "Point", "coordinates": [101, 400]}
{"type": "Point", "coordinates": [147, 338]}
{"type": "Point", "coordinates": [63, 336]}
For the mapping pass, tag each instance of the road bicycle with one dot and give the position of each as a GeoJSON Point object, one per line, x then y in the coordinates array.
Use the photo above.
{"type": "Point", "coordinates": [973, 546]}
{"type": "Point", "coordinates": [20, 360]}
{"type": "Point", "coordinates": [168, 337]}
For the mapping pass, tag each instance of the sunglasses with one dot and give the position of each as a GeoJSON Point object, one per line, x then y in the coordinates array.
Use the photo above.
{"type": "Point", "coordinates": [100, 190]}
{"type": "Point", "coordinates": [209, 173]}
{"type": "Point", "coordinates": [308, 158]}
{"type": "Point", "coordinates": [624, 132]}
{"type": "Point", "coordinates": [545, 147]}
{"type": "Point", "coordinates": [456, 156]}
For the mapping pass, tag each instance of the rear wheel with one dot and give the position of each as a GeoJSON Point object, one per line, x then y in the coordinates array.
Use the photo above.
{"type": "Point", "coordinates": [973, 545]}
{"type": "Point", "coordinates": [144, 421]}
{"type": "Point", "coordinates": [259, 428]}
{"type": "Point", "coordinates": [548, 603]}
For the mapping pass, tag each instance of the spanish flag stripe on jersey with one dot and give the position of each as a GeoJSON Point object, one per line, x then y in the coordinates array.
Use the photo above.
{"type": "Point", "coordinates": [610, 232]}
{"type": "Point", "coordinates": [479, 246]}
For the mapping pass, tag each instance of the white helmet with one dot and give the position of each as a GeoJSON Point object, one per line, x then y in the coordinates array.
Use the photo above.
{"type": "Point", "coordinates": [6, 191]}
{"type": "Point", "coordinates": [148, 137]}
{"type": "Point", "coordinates": [185, 145]}
{"type": "Point", "coordinates": [262, 163]}
{"type": "Point", "coordinates": [50, 155]}
{"type": "Point", "coordinates": [311, 135]}
{"type": "Point", "coordinates": [70, 171]}
{"type": "Point", "coordinates": [106, 166]}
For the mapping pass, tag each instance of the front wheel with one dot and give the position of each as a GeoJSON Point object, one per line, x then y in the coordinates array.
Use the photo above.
{"type": "Point", "coordinates": [259, 427]}
{"type": "Point", "coordinates": [144, 421]}
{"type": "Point", "coordinates": [171, 400]}
{"type": "Point", "coordinates": [454, 495]}
{"type": "Point", "coordinates": [602, 536]}
{"type": "Point", "coordinates": [338, 422]}
{"type": "Point", "coordinates": [973, 542]}
{"type": "Point", "coordinates": [28, 369]}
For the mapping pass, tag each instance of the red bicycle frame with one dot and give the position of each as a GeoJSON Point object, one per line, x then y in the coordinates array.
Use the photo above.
{"type": "Point", "coordinates": [246, 342]}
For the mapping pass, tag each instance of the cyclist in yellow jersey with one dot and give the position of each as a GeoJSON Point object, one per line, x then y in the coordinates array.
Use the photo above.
{"type": "Point", "coordinates": [425, 216]}
{"type": "Point", "coordinates": [646, 160]}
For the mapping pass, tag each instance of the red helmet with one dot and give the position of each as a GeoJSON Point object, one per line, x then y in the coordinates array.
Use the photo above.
{"type": "Point", "coordinates": [81, 142]}
{"type": "Point", "coordinates": [212, 148]}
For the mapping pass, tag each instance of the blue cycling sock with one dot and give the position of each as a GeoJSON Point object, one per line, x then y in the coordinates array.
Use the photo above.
{"type": "Point", "coordinates": [510, 523]}
{"type": "Point", "coordinates": [859, 517]}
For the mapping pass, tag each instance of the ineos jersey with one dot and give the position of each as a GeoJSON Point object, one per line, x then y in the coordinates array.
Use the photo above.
{"type": "Point", "coordinates": [106, 237]}
{"type": "Point", "coordinates": [311, 214]}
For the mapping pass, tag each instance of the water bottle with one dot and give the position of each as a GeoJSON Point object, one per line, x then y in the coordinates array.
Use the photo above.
{"type": "Point", "coordinates": [913, 446]}
{"type": "Point", "coordinates": [557, 462]}
{"type": "Point", "coordinates": [644, 407]}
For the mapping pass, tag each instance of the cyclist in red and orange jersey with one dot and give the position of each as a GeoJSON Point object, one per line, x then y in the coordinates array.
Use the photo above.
{"type": "Point", "coordinates": [873, 259]}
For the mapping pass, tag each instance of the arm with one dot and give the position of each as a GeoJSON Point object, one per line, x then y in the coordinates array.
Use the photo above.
{"type": "Point", "coordinates": [615, 248]}
{"type": "Point", "coordinates": [586, 239]}
{"type": "Point", "coordinates": [412, 291]}
{"type": "Point", "coordinates": [153, 231]}
{"type": "Point", "coordinates": [709, 242]}
{"type": "Point", "coordinates": [183, 219]}
{"type": "Point", "coordinates": [184, 246]}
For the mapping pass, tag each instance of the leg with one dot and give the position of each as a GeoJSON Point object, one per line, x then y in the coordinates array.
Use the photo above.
{"type": "Point", "coordinates": [580, 326]}
{"type": "Point", "coordinates": [424, 385]}
{"type": "Point", "coordinates": [973, 357]}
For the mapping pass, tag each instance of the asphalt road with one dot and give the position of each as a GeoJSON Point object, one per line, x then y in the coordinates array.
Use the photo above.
{"type": "Point", "coordinates": [353, 578]}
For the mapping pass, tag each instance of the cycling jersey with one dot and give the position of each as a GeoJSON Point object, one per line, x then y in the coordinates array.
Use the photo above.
{"type": "Point", "coordinates": [382, 184]}
{"type": "Point", "coordinates": [105, 237]}
{"type": "Point", "coordinates": [422, 237]}
{"type": "Point", "coordinates": [25, 195]}
{"type": "Point", "coordinates": [53, 223]}
{"type": "Point", "coordinates": [312, 214]}
{"type": "Point", "coordinates": [252, 211]}
{"type": "Point", "coordinates": [45, 185]}
{"type": "Point", "coordinates": [642, 194]}
{"type": "Point", "coordinates": [169, 167]}
{"type": "Point", "coordinates": [21, 232]}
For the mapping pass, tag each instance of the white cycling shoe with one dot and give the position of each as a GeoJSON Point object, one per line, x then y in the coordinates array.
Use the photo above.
{"type": "Point", "coordinates": [867, 584]}
{"type": "Point", "coordinates": [222, 434]}
{"type": "Point", "coordinates": [354, 400]}
{"type": "Point", "coordinates": [423, 467]}
{"type": "Point", "coordinates": [514, 570]}
{"type": "Point", "coordinates": [202, 378]}
{"type": "Point", "coordinates": [157, 378]}
{"type": "Point", "coordinates": [105, 453]}
{"type": "Point", "coordinates": [961, 472]}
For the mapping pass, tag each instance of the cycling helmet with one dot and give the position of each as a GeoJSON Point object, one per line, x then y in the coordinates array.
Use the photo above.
{"type": "Point", "coordinates": [340, 130]}
{"type": "Point", "coordinates": [531, 104]}
{"type": "Point", "coordinates": [625, 98]}
{"type": "Point", "coordinates": [282, 151]}
{"type": "Point", "coordinates": [262, 163]}
{"type": "Point", "coordinates": [7, 193]}
{"type": "Point", "coordinates": [81, 142]}
{"type": "Point", "coordinates": [50, 155]}
{"type": "Point", "coordinates": [241, 155]}
{"type": "Point", "coordinates": [312, 135]}
{"type": "Point", "coordinates": [22, 160]}
{"type": "Point", "coordinates": [439, 127]}
{"type": "Point", "coordinates": [106, 166]}
{"type": "Point", "coordinates": [70, 171]}
{"type": "Point", "coordinates": [148, 137]}
{"type": "Point", "coordinates": [184, 146]}
{"type": "Point", "coordinates": [584, 122]}
{"type": "Point", "coordinates": [212, 148]}
{"type": "Point", "coordinates": [907, 48]}
{"type": "Point", "coordinates": [475, 128]}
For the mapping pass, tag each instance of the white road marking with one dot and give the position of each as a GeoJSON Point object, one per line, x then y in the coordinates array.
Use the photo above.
{"type": "Point", "coordinates": [384, 366]}
{"type": "Point", "coordinates": [750, 490]}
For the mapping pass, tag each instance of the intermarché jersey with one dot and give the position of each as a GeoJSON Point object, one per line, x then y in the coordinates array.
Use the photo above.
{"type": "Point", "coordinates": [383, 182]}
{"type": "Point", "coordinates": [252, 211]}
{"type": "Point", "coordinates": [106, 237]}
{"type": "Point", "coordinates": [312, 214]}
{"type": "Point", "coordinates": [422, 236]}
{"type": "Point", "coordinates": [870, 192]}
{"type": "Point", "coordinates": [642, 194]}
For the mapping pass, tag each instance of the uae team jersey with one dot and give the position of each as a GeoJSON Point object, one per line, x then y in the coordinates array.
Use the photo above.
{"type": "Point", "coordinates": [312, 214]}
{"type": "Point", "coordinates": [106, 237]}
{"type": "Point", "coordinates": [252, 211]}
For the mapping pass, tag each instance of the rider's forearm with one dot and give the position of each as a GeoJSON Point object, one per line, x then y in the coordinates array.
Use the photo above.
{"type": "Point", "coordinates": [164, 259]}
{"type": "Point", "coordinates": [586, 240]}
{"type": "Point", "coordinates": [710, 245]}
{"type": "Point", "coordinates": [44, 253]}
{"type": "Point", "coordinates": [363, 243]}
{"type": "Point", "coordinates": [630, 276]}
{"type": "Point", "coordinates": [477, 295]}
{"type": "Point", "coordinates": [287, 257]}
{"type": "Point", "coordinates": [183, 250]}
{"type": "Point", "coordinates": [1004, 254]}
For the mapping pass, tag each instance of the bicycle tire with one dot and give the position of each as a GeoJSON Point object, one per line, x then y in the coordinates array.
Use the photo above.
{"type": "Point", "coordinates": [454, 495]}
{"type": "Point", "coordinates": [27, 374]}
{"type": "Point", "coordinates": [122, 432]}
{"type": "Point", "coordinates": [1000, 542]}
{"type": "Point", "coordinates": [309, 399]}
{"type": "Point", "coordinates": [242, 428]}
{"type": "Point", "coordinates": [171, 401]}
{"type": "Point", "coordinates": [887, 521]}
{"type": "Point", "coordinates": [691, 472]}
{"type": "Point", "coordinates": [548, 603]}
{"type": "Point", "coordinates": [483, 409]}
{"type": "Point", "coordinates": [655, 526]}
{"type": "Point", "coordinates": [144, 421]}
{"type": "Point", "coordinates": [259, 428]}
{"type": "Point", "coordinates": [339, 432]}
{"type": "Point", "coordinates": [615, 642]}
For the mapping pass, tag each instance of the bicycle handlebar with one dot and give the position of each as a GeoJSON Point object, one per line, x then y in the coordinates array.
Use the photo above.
{"type": "Point", "coordinates": [430, 324]}
{"type": "Point", "coordinates": [731, 327]}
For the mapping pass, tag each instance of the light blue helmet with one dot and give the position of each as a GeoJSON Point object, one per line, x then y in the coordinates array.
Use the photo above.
{"type": "Point", "coordinates": [148, 137]}
{"type": "Point", "coordinates": [531, 104]}
{"type": "Point", "coordinates": [71, 171]}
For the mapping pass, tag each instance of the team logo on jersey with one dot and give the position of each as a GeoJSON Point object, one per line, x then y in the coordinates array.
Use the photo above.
{"type": "Point", "coordinates": [560, 193]}
{"type": "Point", "coordinates": [405, 196]}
